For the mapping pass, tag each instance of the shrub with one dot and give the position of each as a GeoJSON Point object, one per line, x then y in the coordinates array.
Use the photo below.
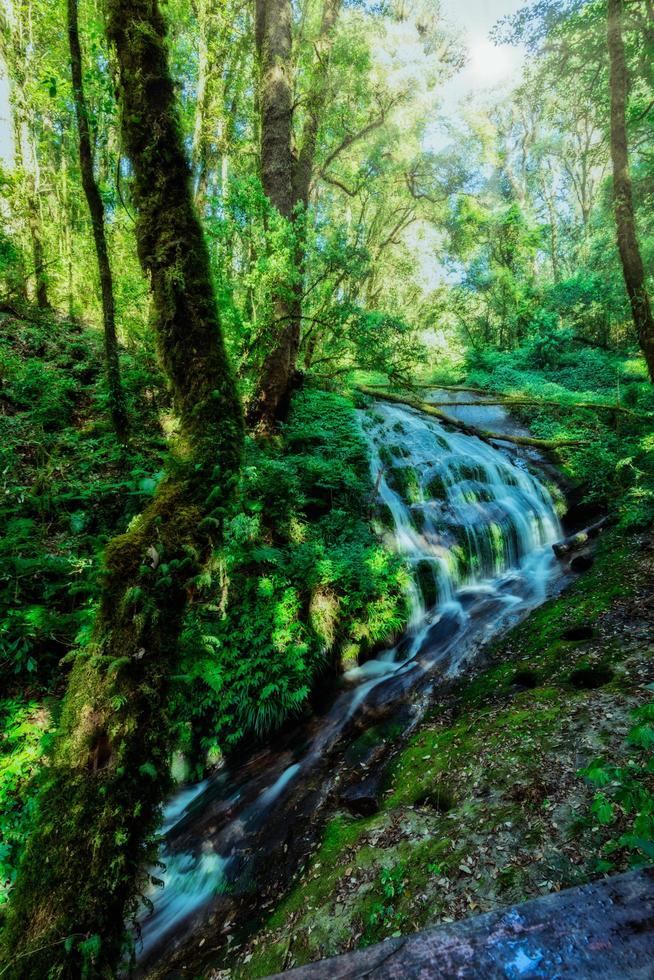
{"type": "Point", "coordinates": [302, 576]}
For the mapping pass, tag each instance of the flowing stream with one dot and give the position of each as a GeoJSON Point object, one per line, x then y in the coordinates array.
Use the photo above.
{"type": "Point", "coordinates": [476, 527]}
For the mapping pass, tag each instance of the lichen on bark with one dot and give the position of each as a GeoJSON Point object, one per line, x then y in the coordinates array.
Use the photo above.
{"type": "Point", "coordinates": [108, 772]}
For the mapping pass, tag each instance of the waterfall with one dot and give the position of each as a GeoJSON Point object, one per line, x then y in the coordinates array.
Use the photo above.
{"type": "Point", "coordinates": [476, 528]}
{"type": "Point", "coordinates": [470, 520]}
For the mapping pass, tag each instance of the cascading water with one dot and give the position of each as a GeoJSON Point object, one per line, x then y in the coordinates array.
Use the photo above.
{"type": "Point", "coordinates": [476, 528]}
{"type": "Point", "coordinates": [470, 521]}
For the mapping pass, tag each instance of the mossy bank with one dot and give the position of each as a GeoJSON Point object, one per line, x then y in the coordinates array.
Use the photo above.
{"type": "Point", "coordinates": [487, 804]}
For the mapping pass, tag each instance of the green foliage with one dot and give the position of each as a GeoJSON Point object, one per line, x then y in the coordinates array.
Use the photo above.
{"type": "Point", "coordinates": [66, 486]}
{"type": "Point", "coordinates": [301, 578]}
{"type": "Point", "coordinates": [615, 464]}
{"type": "Point", "coordinates": [548, 346]}
{"type": "Point", "coordinates": [391, 884]}
{"type": "Point", "coordinates": [623, 803]}
{"type": "Point", "coordinates": [23, 724]}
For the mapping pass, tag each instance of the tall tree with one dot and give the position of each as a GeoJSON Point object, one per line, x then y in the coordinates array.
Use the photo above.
{"type": "Point", "coordinates": [274, 44]}
{"type": "Point", "coordinates": [18, 52]}
{"type": "Point", "coordinates": [96, 207]}
{"type": "Point", "coordinates": [286, 177]}
{"type": "Point", "coordinates": [100, 799]}
{"type": "Point", "coordinates": [632, 262]}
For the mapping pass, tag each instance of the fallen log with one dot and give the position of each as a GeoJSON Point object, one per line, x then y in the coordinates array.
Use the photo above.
{"type": "Point", "coordinates": [475, 391]}
{"type": "Point", "coordinates": [508, 401]}
{"type": "Point", "coordinates": [575, 541]}
{"type": "Point", "coordinates": [471, 430]}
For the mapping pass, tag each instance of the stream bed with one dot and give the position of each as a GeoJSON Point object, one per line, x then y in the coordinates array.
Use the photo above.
{"type": "Point", "coordinates": [476, 526]}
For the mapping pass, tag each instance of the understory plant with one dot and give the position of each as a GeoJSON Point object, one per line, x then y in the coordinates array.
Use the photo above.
{"type": "Point", "coordinates": [623, 801]}
{"type": "Point", "coordinates": [302, 579]}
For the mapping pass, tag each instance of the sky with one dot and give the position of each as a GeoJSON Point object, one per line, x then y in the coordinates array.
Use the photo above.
{"type": "Point", "coordinates": [489, 65]}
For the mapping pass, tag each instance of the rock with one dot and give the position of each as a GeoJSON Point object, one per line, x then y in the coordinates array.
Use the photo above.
{"type": "Point", "coordinates": [363, 798]}
{"type": "Point", "coordinates": [581, 563]}
{"type": "Point", "coordinates": [605, 929]}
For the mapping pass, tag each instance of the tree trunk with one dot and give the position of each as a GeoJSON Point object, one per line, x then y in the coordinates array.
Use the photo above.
{"type": "Point", "coordinates": [32, 211]}
{"type": "Point", "coordinates": [38, 256]}
{"type": "Point", "coordinates": [274, 21]}
{"type": "Point", "coordinates": [287, 182]}
{"type": "Point", "coordinates": [96, 208]}
{"type": "Point", "coordinates": [273, 29]}
{"type": "Point", "coordinates": [100, 800]}
{"type": "Point", "coordinates": [632, 263]}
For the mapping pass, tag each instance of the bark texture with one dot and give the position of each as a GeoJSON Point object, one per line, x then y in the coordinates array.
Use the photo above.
{"type": "Point", "coordinates": [630, 256]}
{"type": "Point", "coordinates": [96, 208]}
{"type": "Point", "coordinates": [108, 773]}
{"type": "Point", "coordinates": [286, 178]}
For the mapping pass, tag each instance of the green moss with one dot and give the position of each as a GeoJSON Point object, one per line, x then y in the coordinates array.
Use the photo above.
{"type": "Point", "coordinates": [436, 488]}
{"type": "Point", "coordinates": [404, 481]}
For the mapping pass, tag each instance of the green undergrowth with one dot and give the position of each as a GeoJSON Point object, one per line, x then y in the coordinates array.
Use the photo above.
{"type": "Point", "coordinates": [66, 484]}
{"type": "Point", "coordinates": [537, 776]}
{"type": "Point", "coordinates": [615, 464]}
{"type": "Point", "coordinates": [302, 584]}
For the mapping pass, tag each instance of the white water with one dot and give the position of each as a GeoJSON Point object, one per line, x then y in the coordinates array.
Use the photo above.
{"type": "Point", "coordinates": [467, 517]}
{"type": "Point", "coordinates": [480, 526]}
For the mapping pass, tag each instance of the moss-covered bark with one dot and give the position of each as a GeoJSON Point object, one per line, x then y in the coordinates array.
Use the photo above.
{"type": "Point", "coordinates": [286, 176]}
{"type": "Point", "coordinates": [108, 772]}
{"type": "Point", "coordinates": [623, 203]}
{"type": "Point", "coordinates": [94, 200]}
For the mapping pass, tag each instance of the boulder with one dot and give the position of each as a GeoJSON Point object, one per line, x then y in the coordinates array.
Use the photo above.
{"type": "Point", "coordinates": [363, 798]}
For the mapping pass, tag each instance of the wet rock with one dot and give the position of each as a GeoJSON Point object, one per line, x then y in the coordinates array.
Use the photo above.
{"type": "Point", "coordinates": [605, 929]}
{"type": "Point", "coordinates": [363, 799]}
{"type": "Point", "coordinates": [582, 563]}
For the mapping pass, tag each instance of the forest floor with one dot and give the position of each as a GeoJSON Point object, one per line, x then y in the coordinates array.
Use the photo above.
{"type": "Point", "coordinates": [486, 806]}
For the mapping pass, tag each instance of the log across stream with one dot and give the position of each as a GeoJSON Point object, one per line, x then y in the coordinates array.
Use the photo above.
{"type": "Point", "coordinates": [477, 528]}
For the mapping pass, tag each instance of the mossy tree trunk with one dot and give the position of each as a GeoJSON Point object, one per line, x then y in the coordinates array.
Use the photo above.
{"type": "Point", "coordinates": [96, 208]}
{"type": "Point", "coordinates": [274, 43]}
{"type": "Point", "coordinates": [286, 177]}
{"type": "Point", "coordinates": [101, 793]}
{"type": "Point", "coordinates": [630, 256]}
